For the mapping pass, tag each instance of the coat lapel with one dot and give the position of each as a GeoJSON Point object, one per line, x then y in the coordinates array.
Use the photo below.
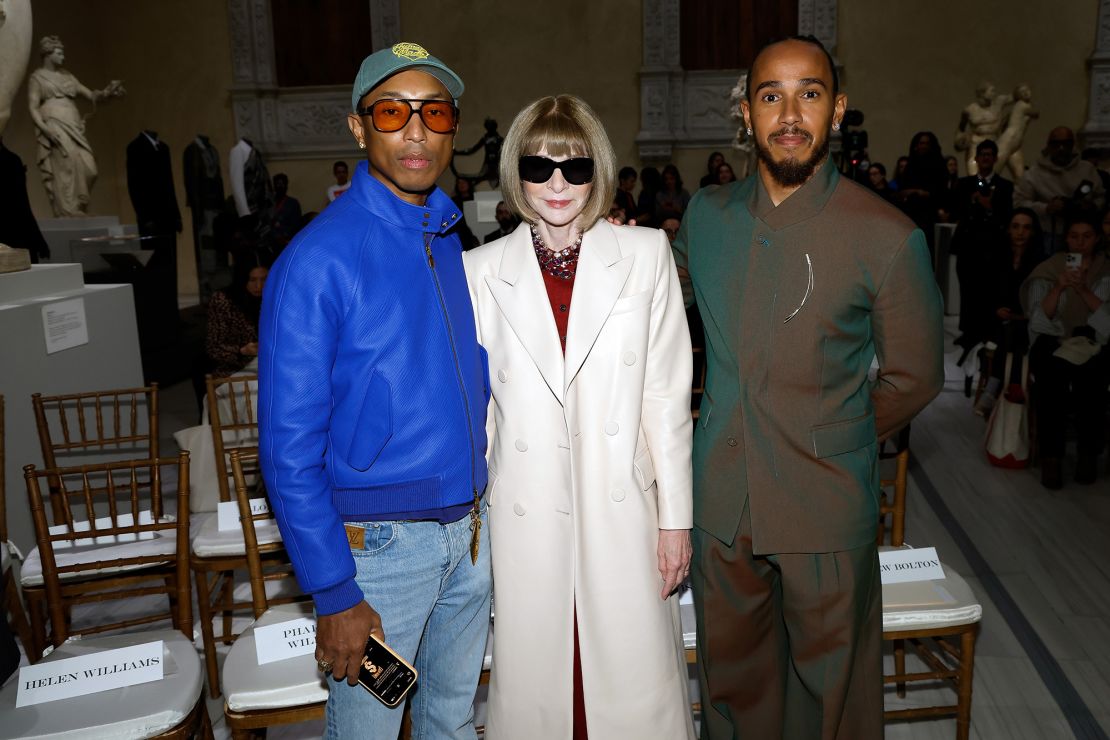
{"type": "Point", "coordinates": [521, 296]}
{"type": "Point", "coordinates": [598, 282]}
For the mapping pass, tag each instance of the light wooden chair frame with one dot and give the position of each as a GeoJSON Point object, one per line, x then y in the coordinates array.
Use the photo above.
{"type": "Point", "coordinates": [146, 575]}
{"type": "Point", "coordinates": [948, 652]}
{"type": "Point", "coordinates": [262, 570]}
{"type": "Point", "coordinates": [13, 602]}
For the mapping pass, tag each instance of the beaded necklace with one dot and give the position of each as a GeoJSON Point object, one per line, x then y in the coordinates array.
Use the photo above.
{"type": "Point", "coordinates": [561, 264]}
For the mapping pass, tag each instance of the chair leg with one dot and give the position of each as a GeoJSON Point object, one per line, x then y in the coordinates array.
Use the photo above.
{"type": "Point", "coordinates": [963, 690]}
{"type": "Point", "coordinates": [14, 606]}
{"type": "Point", "coordinates": [227, 599]}
{"type": "Point", "coordinates": [900, 666]}
{"type": "Point", "coordinates": [38, 623]}
{"type": "Point", "coordinates": [204, 608]}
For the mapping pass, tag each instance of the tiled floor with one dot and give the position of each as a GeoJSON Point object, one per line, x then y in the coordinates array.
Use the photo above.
{"type": "Point", "coordinates": [1039, 563]}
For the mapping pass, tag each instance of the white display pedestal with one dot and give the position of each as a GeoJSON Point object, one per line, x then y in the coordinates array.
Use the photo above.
{"type": "Point", "coordinates": [61, 233]}
{"type": "Point", "coordinates": [110, 359]}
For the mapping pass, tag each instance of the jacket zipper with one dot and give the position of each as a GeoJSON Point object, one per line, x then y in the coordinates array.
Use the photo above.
{"type": "Point", "coordinates": [455, 354]}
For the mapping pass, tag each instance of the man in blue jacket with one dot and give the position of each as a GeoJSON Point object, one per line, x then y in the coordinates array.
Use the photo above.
{"type": "Point", "coordinates": [372, 406]}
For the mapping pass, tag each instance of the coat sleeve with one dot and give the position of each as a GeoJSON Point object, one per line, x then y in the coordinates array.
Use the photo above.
{"type": "Point", "coordinates": [909, 338]}
{"type": "Point", "coordinates": [681, 255]}
{"type": "Point", "coordinates": [666, 404]}
{"type": "Point", "coordinates": [302, 314]}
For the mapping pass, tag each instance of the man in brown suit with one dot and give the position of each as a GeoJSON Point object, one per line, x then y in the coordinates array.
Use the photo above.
{"type": "Point", "coordinates": [802, 279]}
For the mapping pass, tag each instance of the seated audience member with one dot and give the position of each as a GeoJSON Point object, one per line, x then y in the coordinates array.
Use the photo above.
{"type": "Point", "coordinates": [650, 183]}
{"type": "Point", "coordinates": [506, 222]}
{"type": "Point", "coordinates": [342, 181]}
{"type": "Point", "coordinates": [285, 218]}
{"type": "Point", "coordinates": [725, 175]}
{"type": "Point", "coordinates": [670, 228]}
{"type": "Point", "coordinates": [626, 181]}
{"type": "Point", "coordinates": [1058, 184]}
{"type": "Point", "coordinates": [1010, 262]}
{"type": "Point", "coordinates": [1066, 298]}
{"type": "Point", "coordinates": [672, 198]}
{"type": "Point", "coordinates": [899, 169]}
{"type": "Point", "coordinates": [232, 336]}
{"type": "Point", "coordinates": [980, 205]}
{"type": "Point", "coordinates": [876, 180]}
{"type": "Point", "coordinates": [716, 159]}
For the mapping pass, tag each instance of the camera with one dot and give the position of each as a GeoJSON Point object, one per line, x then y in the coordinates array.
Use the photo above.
{"type": "Point", "coordinates": [854, 145]}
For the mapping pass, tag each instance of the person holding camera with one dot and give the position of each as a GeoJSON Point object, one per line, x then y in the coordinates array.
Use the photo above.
{"type": "Point", "coordinates": [1059, 184]}
{"type": "Point", "coordinates": [1067, 299]}
{"type": "Point", "coordinates": [981, 206]}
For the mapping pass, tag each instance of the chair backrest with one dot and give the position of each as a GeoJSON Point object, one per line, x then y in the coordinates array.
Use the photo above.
{"type": "Point", "coordinates": [118, 424]}
{"type": "Point", "coordinates": [232, 402]}
{"type": "Point", "coordinates": [892, 491]}
{"type": "Point", "coordinates": [266, 562]}
{"type": "Point", "coordinates": [112, 528]}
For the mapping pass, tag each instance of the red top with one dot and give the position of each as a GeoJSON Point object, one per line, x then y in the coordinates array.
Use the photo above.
{"type": "Point", "coordinates": [558, 293]}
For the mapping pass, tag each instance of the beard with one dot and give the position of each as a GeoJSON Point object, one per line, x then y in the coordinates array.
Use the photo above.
{"type": "Point", "coordinates": [791, 172]}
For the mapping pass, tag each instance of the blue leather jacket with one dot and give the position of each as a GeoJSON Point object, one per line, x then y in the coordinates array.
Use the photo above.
{"type": "Point", "coordinates": [372, 388]}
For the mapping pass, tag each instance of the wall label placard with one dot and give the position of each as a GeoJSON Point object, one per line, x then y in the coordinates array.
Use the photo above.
{"type": "Point", "coordinates": [64, 325]}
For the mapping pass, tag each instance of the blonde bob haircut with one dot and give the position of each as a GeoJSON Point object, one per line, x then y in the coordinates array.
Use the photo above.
{"type": "Point", "coordinates": [561, 126]}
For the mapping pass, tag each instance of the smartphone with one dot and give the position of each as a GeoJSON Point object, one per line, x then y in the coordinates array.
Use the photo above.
{"type": "Point", "coordinates": [1073, 260]}
{"type": "Point", "coordinates": [384, 673]}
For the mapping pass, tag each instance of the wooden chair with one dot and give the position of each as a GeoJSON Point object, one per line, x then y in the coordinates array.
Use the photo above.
{"type": "Point", "coordinates": [13, 602]}
{"type": "Point", "coordinates": [108, 424]}
{"type": "Point", "coordinates": [216, 555]}
{"type": "Point", "coordinates": [129, 543]}
{"type": "Point", "coordinates": [941, 631]}
{"type": "Point", "coordinates": [293, 690]}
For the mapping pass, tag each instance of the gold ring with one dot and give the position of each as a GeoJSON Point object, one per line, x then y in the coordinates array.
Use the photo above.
{"type": "Point", "coordinates": [324, 665]}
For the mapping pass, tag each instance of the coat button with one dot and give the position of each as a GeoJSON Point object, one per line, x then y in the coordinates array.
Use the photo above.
{"type": "Point", "coordinates": [518, 509]}
{"type": "Point", "coordinates": [522, 445]}
{"type": "Point", "coordinates": [617, 494]}
{"type": "Point", "coordinates": [732, 441]}
{"type": "Point", "coordinates": [611, 428]}
{"type": "Point", "coordinates": [503, 376]}
{"type": "Point", "coordinates": [630, 358]}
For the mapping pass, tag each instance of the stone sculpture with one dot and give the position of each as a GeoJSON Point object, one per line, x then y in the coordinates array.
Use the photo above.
{"type": "Point", "coordinates": [980, 120]}
{"type": "Point", "coordinates": [1012, 136]}
{"type": "Point", "coordinates": [15, 48]}
{"type": "Point", "coordinates": [64, 157]}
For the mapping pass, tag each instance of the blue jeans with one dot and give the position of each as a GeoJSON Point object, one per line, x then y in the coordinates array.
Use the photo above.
{"type": "Point", "coordinates": [435, 609]}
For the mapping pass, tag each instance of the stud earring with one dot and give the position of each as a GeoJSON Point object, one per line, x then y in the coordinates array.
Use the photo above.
{"type": "Point", "coordinates": [749, 132]}
{"type": "Point", "coordinates": [836, 127]}
{"type": "Point", "coordinates": [362, 145]}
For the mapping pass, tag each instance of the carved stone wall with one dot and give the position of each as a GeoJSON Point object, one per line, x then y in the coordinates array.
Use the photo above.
{"type": "Point", "coordinates": [691, 109]}
{"type": "Point", "coordinates": [292, 123]}
{"type": "Point", "coordinates": [1096, 132]}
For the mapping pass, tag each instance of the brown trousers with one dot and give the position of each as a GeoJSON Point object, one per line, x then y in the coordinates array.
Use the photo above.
{"type": "Point", "coordinates": [789, 645]}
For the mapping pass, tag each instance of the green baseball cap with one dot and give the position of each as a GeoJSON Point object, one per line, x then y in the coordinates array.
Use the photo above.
{"type": "Point", "coordinates": [399, 57]}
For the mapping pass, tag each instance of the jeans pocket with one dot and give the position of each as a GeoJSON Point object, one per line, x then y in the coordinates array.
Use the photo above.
{"type": "Point", "coordinates": [379, 536]}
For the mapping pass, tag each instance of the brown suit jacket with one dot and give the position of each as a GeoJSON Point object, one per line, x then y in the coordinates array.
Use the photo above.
{"type": "Point", "coordinates": [797, 301]}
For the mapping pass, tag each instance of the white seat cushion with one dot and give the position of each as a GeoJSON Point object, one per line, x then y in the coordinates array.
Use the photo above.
{"type": "Point", "coordinates": [163, 543]}
{"type": "Point", "coordinates": [210, 542]}
{"type": "Point", "coordinates": [137, 711]}
{"type": "Point", "coordinates": [286, 683]}
{"type": "Point", "coordinates": [948, 602]}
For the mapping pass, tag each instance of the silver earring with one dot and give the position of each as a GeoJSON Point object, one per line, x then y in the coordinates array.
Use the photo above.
{"type": "Point", "coordinates": [749, 132]}
{"type": "Point", "coordinates": [362, 145]}
{"type": "Point", "coordinates": [836, 127]}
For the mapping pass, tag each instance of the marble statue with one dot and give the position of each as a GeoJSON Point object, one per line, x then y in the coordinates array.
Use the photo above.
{"type": "Point", "coordinates": [15, 49]}
{"type": "Point", "coordinates": [980, 120]}
{"type": "Point", "coordinates": [65, 157]}
{"type": "Point", "coordinates": [742, 143]}
{"type": "Point", "coordinates": [1009, 141]}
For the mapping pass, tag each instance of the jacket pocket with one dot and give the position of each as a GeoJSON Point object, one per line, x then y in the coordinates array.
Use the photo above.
{"type": "Point", "coordinates": [632, 302]}
{"type": "Point", "coordinates": [374, 426]}
{"type": "Point", "coordinates": [645, 470]}
{"type": "Point", "coordinates": [843, 436]}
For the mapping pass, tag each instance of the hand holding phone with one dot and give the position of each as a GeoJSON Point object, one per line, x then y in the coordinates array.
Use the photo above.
{"type": "Point", "coordinates": [1073, 260]}
{"type": "Point", "coordinates": [384, 673]}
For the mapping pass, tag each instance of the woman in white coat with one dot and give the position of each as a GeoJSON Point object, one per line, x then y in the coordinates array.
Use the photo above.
{"type": "Point", "coordinates": [590, 439]}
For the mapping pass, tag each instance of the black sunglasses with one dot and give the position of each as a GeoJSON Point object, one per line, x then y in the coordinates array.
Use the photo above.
{"type": "Point", "coordinates": [393, 114]}
{"type": "Point", "coordinates": [577, 171]}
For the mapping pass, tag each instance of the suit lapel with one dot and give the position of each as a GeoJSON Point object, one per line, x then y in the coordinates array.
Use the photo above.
{"type": "Point", "coordinates": [598, 282]}
{"type": "Point", "coordinates": [521, 296]}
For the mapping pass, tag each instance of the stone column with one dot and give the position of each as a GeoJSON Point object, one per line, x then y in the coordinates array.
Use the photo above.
{"type": "Point", "coordinates": [1096, 131]}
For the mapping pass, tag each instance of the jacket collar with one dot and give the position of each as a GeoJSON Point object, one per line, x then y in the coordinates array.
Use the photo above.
{"type": "Point", "coordinates": [436, 216]}
{"type": "Point", "coordinates": [806, 201]}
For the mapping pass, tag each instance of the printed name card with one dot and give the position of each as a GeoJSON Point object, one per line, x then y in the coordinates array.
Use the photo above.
{"type": "Point", "coordinates": [227, 513]}
{"type": "Point", "coordinates": [284, 640]}
{"type": "Point", "coordinates": [89, 674]}
{"type": "Point", "coordinates": [913, 564]}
